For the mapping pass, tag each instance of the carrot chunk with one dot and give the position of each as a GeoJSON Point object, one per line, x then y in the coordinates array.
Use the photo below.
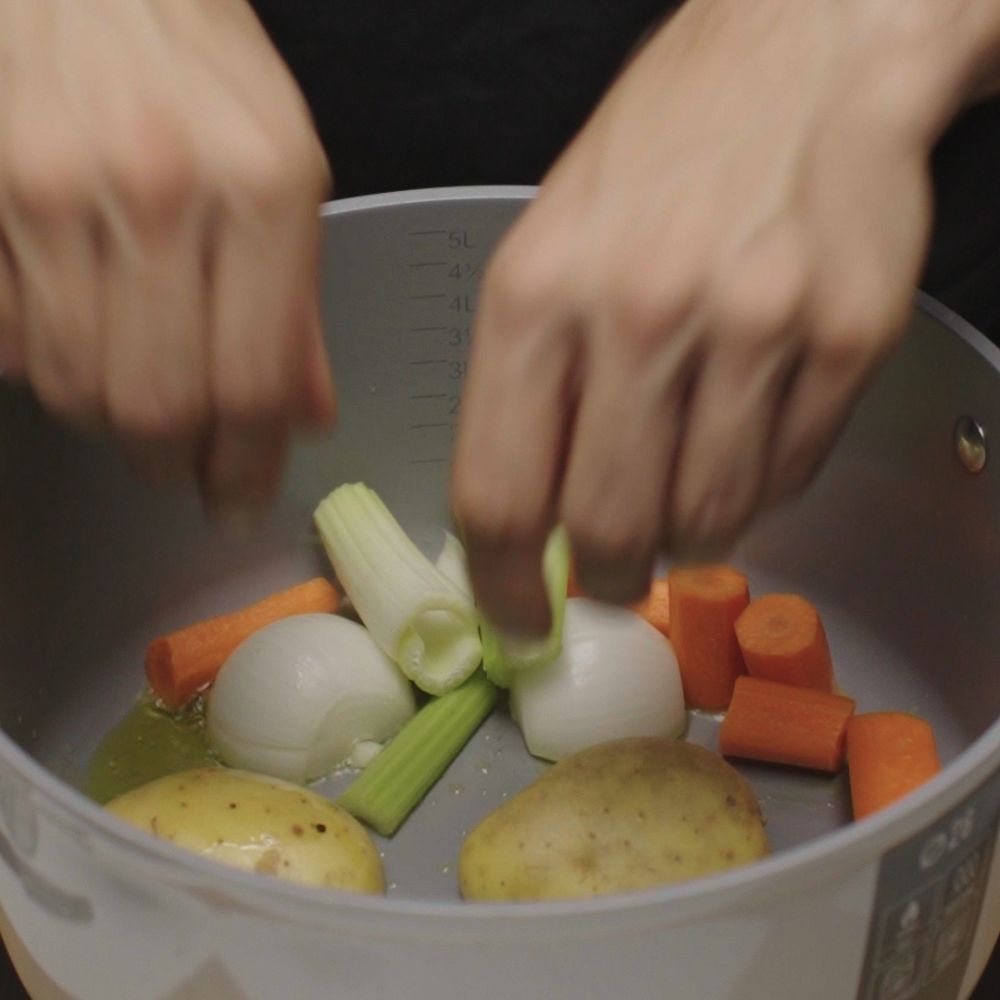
{"type": "Point", "coordinates": [704, 603]}
{"type": "Point", "coordinates": [888, 755]}
{"type": "Point", "coordinates": [785, 724]}
{"type": "Point", "coordinates": [782, 639]}
{"type": "Point", "coordinates": [180, 664]}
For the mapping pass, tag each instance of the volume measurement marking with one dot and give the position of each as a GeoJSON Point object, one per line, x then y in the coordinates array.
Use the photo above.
{"type": "Point", "coordinates": [429, 329]}
{"type": "Point", "coordinates": [430, 361]}
{"type": "Point", "coordinates": [430, 395]}
{"type": "Point", "coordinates": [422, 427]}
{"type": "Point", "coordinates": [431, 295]}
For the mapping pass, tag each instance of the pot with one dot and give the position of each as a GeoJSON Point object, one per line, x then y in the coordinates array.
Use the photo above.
{"type": "Point", "coordinates": [897, 542]}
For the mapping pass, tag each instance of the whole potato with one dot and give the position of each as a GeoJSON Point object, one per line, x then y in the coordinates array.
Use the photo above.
{"type": "Point", "coordinates": [619, 816]}
{"type": "Point", "coordinates": [258, 824]}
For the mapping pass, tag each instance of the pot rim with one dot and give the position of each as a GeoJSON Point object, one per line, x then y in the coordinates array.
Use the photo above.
{"type": "Point", "coordinates": [791, 870]}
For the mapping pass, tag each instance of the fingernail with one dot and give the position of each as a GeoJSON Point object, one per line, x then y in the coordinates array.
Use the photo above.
{"type": "Point", "coordinates": [519, 645]}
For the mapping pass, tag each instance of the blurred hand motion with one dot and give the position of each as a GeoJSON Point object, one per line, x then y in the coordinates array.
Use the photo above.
{"type": "Point", "coordinates": [159, 184]}
{"type": "Point", "coordinates": [671, 337]}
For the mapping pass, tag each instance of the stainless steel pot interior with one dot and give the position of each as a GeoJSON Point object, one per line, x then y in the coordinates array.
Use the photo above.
{"type": "Point", "coordinates": [897, 542]}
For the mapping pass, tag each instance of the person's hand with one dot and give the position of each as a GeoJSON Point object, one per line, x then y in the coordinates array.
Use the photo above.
{"type": "Point", "coordinates": [672, 335]}
{"type": "Point", "coordinates": [159, 184]}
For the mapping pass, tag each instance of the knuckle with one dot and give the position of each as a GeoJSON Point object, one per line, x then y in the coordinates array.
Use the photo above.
{"type": "Point", "coordinates": [143, 415]}
{"type": "Point", "coordinates": [759, 314]}
{"type": "Point", "coordinates": [647, 306]}
{"type": "Point", "coordinates": [496, 521]}
{"type": "Point", "coordinates": [853, 333]}
{"type": "Point", "coordinates": [154, 184]}
{"type": "Point", "coordinates": [266, 174]}
{"type": "Point", "coordinates": [248, 403]}
{"type": "Point", "coordinates": [704, 526]}
{"type": "Point", "coordinates": [600, 537]}
{"type": "Point", "coordinates": [49, 176]}
{"type": "Point", "coordinates": [524, 279]}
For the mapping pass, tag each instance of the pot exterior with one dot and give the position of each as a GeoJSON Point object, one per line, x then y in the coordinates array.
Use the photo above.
{"type": "Point", "coordinates": [98, 923]}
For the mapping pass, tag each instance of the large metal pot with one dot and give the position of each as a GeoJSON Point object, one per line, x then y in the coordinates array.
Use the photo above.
{"type": "Point", "coordinates": [898, 542]}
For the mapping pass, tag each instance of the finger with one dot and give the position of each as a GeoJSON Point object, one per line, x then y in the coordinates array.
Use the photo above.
{"type": "Point", "coordinates": [817, 405]}
{"type": "Point", "coordinates": [516, 408]}
{"type": "Point", "coordinates": [316, 401]}
{"type": "Point", "coordinates": [242, 470]}
{"type": "Point", "coordinates": [51, 246]}
{"type": "Point", "coordinates": [11, 350]}
{"type": "Point", "coordinates": [156, 371]}
{"type": "Point", "coordinates": [754, 320]}
{"type": "Point", "coordinates": [262, 286]}
{"type": "Point", "coordinates": [620, 462]}
{"type": "Point", "coordinates": [60, 343]}
{"type": "Point", "coordinates": [724, 454]}
{"type": "Point", "coordinates": [852, 319]}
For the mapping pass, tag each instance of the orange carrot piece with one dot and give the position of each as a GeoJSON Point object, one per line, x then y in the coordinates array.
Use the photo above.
{"type": "Point", "coordinates": [573, 588]}
{"type": "Point", "coordinates": [888, 755]}
{"type": "Point", "coordinates": [785, 724]}
{"type": "Point", "coordinates": [655, 606]}
{"type": "Point", "coordinates": [180, 664]}
{"type": "Point", "coordinates": [782, 639]}
{"type": "Point", "coordinates": [704, 603]}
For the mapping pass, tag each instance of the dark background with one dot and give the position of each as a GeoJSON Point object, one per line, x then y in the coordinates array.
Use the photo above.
{"type": "Point", "coordinates": [448, 92]}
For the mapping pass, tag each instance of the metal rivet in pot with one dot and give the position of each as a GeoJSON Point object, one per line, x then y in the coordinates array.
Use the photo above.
{"type": "Point", "coordinates": [970, 444]}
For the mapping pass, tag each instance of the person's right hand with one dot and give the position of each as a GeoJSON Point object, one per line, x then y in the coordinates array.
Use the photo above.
{"type": "Point", "coordinates": [159, 184]}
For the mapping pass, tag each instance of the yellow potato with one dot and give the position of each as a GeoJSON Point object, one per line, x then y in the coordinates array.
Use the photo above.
{"type": "Point", "coordinates": [615, 817]}
{"type": "Point", "coordinates": [258, 824]}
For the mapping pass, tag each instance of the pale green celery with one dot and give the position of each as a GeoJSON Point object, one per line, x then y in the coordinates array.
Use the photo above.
{"type": "Point", "coordinates": [393, 784]}
{"type": "Point", "coordinates": [501, 656]}
{"type": "Point", "coordinates": [419, 618]}
{"type": "Point", "coordinates": [451, 562]}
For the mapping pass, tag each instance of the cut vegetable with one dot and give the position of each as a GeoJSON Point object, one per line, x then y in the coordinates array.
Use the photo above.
{"type": "Point", "coordinates": [401, 775]}
{"type": "Point", "coordinates": [782, 639]}
{"type": "Point", "coordinates": [616, 817]}
{"type": "Point", "coordinates": [655, 606]}
{"type": "Point", "coordinates": [705, 602]}
{"type": "Point", "coordinates": [181, 664]}
{"type": "Point", "coordinates": [257, 824]}
{"type": "Point", "coordinates": [452, 562]}
{"type": "Point", "coordinates": [419, 617]}
{"type": "Point", "coordinates": [889, 754]}
{"type": "Point", "coordinates": [784, 724]}
{"type": "Point", "coordinates": [501, 658]}
{"type": "Point", "coordinates": [295, 698]}
{"type": "Point", "coordinates": [615, 677]}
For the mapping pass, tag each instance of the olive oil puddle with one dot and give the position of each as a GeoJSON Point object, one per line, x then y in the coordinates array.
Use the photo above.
{"type": "Point", "coordinates": [146, 744]}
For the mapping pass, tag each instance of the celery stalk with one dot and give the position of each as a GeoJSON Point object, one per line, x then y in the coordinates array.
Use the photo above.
{"type": "Point", "coordinates": [393, 784]}
{"type": "Point", "coordinates": [419, 618]}
{"type": "Point", "coordinates": [501, 657]}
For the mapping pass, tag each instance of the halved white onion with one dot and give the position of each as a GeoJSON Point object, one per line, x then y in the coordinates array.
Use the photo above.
{"type": "Point", "coordinates": [295, 697]}
{"type": "Point", "coordinates": [616, 677]}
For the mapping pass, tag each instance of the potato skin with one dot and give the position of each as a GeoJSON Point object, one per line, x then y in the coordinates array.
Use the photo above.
{"type": "Point", "coordinates": [616, 817]}
{"type": "Point", "coordinates": [258, 824]}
